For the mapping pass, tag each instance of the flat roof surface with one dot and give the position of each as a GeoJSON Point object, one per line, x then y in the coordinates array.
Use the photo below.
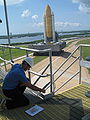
{"type": "Point", "coordinates": [69, 105]}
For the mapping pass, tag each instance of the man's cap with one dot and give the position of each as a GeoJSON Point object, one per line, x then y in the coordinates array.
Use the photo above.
{"type": "Point", "coordinates": [29, 61]}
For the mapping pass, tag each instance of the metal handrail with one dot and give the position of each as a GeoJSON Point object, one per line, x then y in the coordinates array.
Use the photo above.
{"type": "Point", "coordinates": [67, 68]}
{"type": "Point", "coordinates": [84, 45]}
{"type": "Point", "coordinates": [66, 60]}
{"type": "Point", "coordinates": [35, 73]}
{"type": "Point", "coordinates": [33, 50]}
{"type": "Point", "coordinates": [66, 82]}
{"type": "Point", "coordinates": [63, 72]}
{"type": "Point", "coordinates": [6, 61]}
{"type": "Point", "coordinates": [41, 74]}
{"type": "Point", "coordinates": [49, 84]}
{"type": "Point", "coordinates": [80, 46]}
{"type": "Point", "coordinates": [26, 49]}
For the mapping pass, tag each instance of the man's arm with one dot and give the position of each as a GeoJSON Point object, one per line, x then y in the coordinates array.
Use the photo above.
{"type": "Point", "coordinates": [33, 87]}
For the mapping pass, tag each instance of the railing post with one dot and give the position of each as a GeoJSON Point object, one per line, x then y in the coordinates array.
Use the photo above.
{"type": "Point", "coordinates": [28, 71]}
{"type": "Point", "coordinates": [53, 84]}
{"type": "Point", "coordinates": [7, 25]}
{"type": "Point", "coordinates": [79, 64]}
{"type": "Point", "coordinates": [51, 77]}
{"type": "Point", "coordinates": [4, 58]}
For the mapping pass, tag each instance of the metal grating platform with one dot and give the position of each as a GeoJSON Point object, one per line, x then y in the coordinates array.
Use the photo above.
{"type": "Point", "coordinates": [69, 105]}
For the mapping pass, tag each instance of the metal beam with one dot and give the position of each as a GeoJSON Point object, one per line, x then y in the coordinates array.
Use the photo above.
{"type": "Point", "coordinates": [21, 48]}
{"type": "Point", "coordinates": [7, 25]}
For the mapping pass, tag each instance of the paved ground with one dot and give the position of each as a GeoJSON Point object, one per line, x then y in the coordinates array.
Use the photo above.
{"type": "Point", "coordinates": [57, 60]}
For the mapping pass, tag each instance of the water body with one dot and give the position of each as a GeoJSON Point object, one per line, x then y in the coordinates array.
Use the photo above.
{"type": "Point", "coordinates": [22, 39]}
{"type": "Point", "coordinates": [39, 37]}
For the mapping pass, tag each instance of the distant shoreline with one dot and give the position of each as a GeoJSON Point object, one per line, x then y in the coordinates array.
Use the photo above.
{"type": "Point", "coordinates": [32, 42]}
{"type": "Point", "coordinates": [34, 38]}
{"type": "Point", "coordinates": [20, 35]}
{"type": "Point", "coordinates": [41, 33]}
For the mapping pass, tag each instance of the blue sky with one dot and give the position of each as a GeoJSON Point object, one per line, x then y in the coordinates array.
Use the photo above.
{"type": "Point", "coordinates": [27, 15]}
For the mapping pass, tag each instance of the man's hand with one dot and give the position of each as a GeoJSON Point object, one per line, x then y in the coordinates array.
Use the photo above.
{"type": "Point", "coordinates": [42, 90]}
{"type": "Point", "coordinates": [28, 84]}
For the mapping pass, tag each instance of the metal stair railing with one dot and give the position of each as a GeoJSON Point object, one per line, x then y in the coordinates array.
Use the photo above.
{"type": "Point", "coordinates": [66, 82]}
{"type": "Point", "coordinates": [66, 60]}
{"type": "Point", "coordinates": [41, 74]}
{"type": "Point", "coordinates": [48, 84]}
{"type": "Point", "coordinates": [52, 81]}
{"type": "Point", "coordinates": [67, 68]}
{"type": "Point", "coordinates": [32, 50]}
{"type": "Point", "coordinates": [62, 72]}
{"type": "Point", "coordinates": [79, 72]}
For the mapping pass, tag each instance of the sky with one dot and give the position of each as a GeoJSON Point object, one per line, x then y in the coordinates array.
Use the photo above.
{"type": "Point", "coordinates": [26, 16]}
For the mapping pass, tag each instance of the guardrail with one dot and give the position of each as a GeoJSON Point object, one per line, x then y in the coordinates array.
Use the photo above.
{"type": "Point", "coordinates": [52, 79]}
{"type": "Point", "coordinates": [79, 72]}
{"type": "Point", "coordinates": [31, 50]}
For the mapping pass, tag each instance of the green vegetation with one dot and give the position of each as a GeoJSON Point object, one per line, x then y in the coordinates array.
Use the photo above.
{"type": "Point", "coordinates": [39, 58]}
{"type": "Point", "coordinates": [25, 43]}
{"type": "Point", "coordinates": [75, 35]}
{"type": "Point", "coordinates": [85, 33]}
{"type": "Point", "coordinates": [70, 43]}
{"type": "Point", "coordinates": [32, 42]}
{"type": "Point", "coordinates": [85, 50]}
{"type": "Point", "coordinates": [17, 53]}
{"type": "Point", "coordinates": [67, 36]}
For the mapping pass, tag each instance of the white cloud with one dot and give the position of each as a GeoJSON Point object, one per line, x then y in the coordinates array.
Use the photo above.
{"type": "Point", "coordinates": [34, 17]}
{"type": "Point", "coordinates": [25, 13]}
{"type": "Point", "coordinates": [39, 24]}
{"type": "Point", "coordinates": [84, 5]}
{"type": "Point", "coordinates": [66, 24]}
{"type": "Point", "coordinates": [58, 25]}
{"type": "Point", "coordinates": [11, 2]}
{"type": "Point", "coordinates": [75, 1]}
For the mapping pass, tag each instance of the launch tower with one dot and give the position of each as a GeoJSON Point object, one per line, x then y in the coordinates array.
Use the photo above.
{"type": "Point", "coordinates": [50, 36]}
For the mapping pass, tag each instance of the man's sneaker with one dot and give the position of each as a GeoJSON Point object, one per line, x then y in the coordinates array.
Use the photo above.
{"type": "Point", "coordinates": [3, 105]}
